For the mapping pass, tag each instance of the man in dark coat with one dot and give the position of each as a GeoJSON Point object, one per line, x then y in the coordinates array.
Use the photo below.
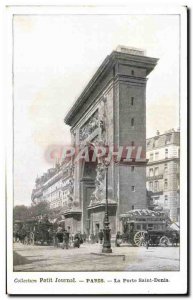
{"type": "Point", "coordinates": [77, 240]}
{"type": "Point", "coordinates": [66, 239]}
{"type": "Point", "coordinates": [101, 236]}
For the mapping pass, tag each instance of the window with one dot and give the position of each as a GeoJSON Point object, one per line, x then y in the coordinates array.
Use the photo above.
{"type": "Point", "coordinates": [138, 227]}
{"type": "Point", "coordinates": [132, 101]}
{"type": "Point", "coordinates": [157, 142]}
{"type": "Point", "coordinates": [156, 186]}
{"type": "Point", "coordinates": [132, 143]}
{"type": "Point", "coordinates": [156, 171]}
{"type": "Point", "coordinates": [151, 172]}
{"type": "Point", "coordinates": [150, 185]}
{"type": "Point", "coordinates": [132, 207]}
{"type": "Point", "coordinates": [166, 168]}
{"type": "Point", "coordinates": [150, 226]}
{"type": "Point", "coordinates": [132, 168]}
{"type": "Point", "coordinates": [144, 227]}
{"type": "Point", "coordinates": [166, 200]}
{"type": "Point", "coordinates": [168, 138]}
{"type": "Point", "coordinates": [156, 155]}
{"type": "Point", "coordinates": [132, 72]}
{"type": "Point", "coordinates": [166, 153]}
{"type": "Point", "coordinates": [165, 184]}
{"type": "Point", "coordinates": [133, 188]}
{"type": "Point", "coordinates": [132, 122]}
{"type": "Point", "coordinates": [156, 200]}
{"type": "Point", "coordinates": [151, 157]}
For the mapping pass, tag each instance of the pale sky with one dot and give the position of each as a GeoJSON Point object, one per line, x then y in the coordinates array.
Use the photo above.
{"type": "Point", "coordinates": [55, 57]}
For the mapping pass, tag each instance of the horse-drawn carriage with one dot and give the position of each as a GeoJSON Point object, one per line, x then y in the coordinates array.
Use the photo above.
{"type": "Point", "coordinates": [136, 223]}
{"type": "Point", "coordinates": [33, 231]}
{"type": "Point", "coordinates": [43, 232]}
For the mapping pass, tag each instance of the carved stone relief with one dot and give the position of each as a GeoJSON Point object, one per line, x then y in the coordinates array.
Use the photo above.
{"type": "Point", "coordinates": [99, 192]}
{"type": "Point", "coordinates": [89, 127]}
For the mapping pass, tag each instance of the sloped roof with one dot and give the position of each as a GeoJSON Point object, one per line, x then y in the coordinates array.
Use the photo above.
{"type": "Point", "coordinates": [141, 212]}
{"type": "Point", "coordinates": [163, 140]}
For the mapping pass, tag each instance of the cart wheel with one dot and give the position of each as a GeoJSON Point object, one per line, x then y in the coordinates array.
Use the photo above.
{"type": "Point", "coordinates": [164, 241]}
{"type": "Point", "coordinates": [139, 238]}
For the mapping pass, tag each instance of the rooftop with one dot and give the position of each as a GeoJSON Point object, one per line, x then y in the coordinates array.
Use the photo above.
{"type": "Point", "coordinates": [131, 56]}
{"type": "Point", "coordinates": [161, 140]}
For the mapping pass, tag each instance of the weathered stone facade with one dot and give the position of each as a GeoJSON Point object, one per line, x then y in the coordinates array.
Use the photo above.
{"type": "Point", "coordinates": [111, 111]}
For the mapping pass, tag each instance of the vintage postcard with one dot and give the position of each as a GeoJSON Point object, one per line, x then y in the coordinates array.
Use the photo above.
{"type": "Point", "coordinates": [97, 150]}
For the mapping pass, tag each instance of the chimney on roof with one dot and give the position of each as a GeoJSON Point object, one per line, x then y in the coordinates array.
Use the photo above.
{"type": "Point", "coordinates": [157, 132]}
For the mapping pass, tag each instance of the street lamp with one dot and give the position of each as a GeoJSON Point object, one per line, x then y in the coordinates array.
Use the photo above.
{"type": "Point", "coordinates": [107, 235]}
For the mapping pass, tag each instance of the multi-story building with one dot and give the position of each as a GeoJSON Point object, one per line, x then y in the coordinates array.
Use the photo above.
{"type": "Point", "coordinates": [111, 110]}
{"type": "Point", "coordinates": [54, 186]}
{"type": "Point", "coordinates": [163, 181]}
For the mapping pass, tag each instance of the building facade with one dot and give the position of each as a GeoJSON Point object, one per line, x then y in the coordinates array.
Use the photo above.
{"type": "Point", "coordinates": [110, 111]}
{"type": "Point", "coordinates": [163, 173]}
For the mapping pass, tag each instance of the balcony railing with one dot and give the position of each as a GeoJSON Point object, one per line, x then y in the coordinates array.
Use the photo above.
{"type": "Point", "coordinates": [37, 193]}
{"type": "Point", "coordinates": [156, 193]}
{"type": "Point", "coordinates": [154, 177]}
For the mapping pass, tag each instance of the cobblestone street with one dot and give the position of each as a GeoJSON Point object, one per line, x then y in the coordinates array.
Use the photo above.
{"type": "Point", "coordinates": [89, 258]}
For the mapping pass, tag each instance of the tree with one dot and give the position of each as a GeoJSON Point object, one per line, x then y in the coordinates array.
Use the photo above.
{"type": "Point", "coordinates": [20, 212]}
{"type": "Point", "coordinates": [41, 208]}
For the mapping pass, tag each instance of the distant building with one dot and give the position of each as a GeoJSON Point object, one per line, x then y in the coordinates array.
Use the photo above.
{"type": "Point", "coordinates": [55, 186]}
{"type": "Point", "coordinates": [163, 169]}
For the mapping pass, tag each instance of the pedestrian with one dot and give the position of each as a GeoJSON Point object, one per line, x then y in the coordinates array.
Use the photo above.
{"type": "Point", "coordinates": [23, 234]}
{"type": "Point", "coordinates": [101, 236]}
{"type": "Point", "coordinates": [96, 238]}
{"type": "Point", "coordinates": [147, 238]}
{"type": "Point", "coordinates": [77, 240]}
{"type": "Point", "coordinates": [59, 235]}
{"type": "Point", "coordinates": [84, 237]}
{"type": "Point", "coordinates": [92, 238]}
{"type": "Point", "coordinates": [118, 239]}
{"type": "Point", "coordinates": [81, 237]}
{"type": "Point", "coordinates": [71, 237]}
{"type": "Point", "coordinates": [65, 239]}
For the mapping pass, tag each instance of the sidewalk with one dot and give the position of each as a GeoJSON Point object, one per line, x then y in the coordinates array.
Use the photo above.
{"type": "Point", "coordinates": [89, 257]}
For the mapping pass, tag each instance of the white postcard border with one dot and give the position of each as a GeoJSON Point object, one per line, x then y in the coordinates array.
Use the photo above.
{"type": "Point", "coordinates": [177, 280]}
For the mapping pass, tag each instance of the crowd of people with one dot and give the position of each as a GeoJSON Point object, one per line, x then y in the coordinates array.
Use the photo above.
{"type": "Point", "coordinates": [68, 239]}
{"type": "Point", "coordinates": [57, 236]}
